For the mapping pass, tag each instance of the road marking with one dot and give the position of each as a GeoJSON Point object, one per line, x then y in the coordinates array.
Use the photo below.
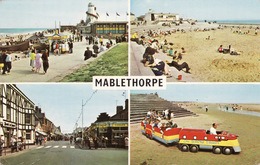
{"type": "Point", "coordinates": [39, 147]}
{"type": "Point", "coordinates": [48, 147]}
{"type": "Point", "coordinates": [72, 146]}
{"type": "Point", "coordinates": [64, 147]}
{"type": "Point", "coordinates": [56, 147]}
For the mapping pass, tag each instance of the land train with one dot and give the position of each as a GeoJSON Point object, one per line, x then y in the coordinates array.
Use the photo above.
{"type": "Point", "coordinates": [194, 140]}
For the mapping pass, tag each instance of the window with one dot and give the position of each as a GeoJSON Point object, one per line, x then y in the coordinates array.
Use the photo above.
{"type": "Point", "coordinates": [28, 135]}
{"type": "Point", "coordinates": [1, 108]}
{"type": "Point", "coordinates": [8, 113]}
{"type": "Point", "coordinates": [8, 93]}
{"type": "Point", "coordinates": [27, 118]}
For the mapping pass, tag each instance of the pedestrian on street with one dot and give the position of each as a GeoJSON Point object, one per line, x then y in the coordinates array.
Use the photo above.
{"type": "Point", "coordinates": [88, 142]}
{"type": "Point", "coordinates": [95, 142]}
{"type": "Point", "coordinates": [45, 140]}
{"type": "Point", "coordinates": [1, 144]}
{"type": "Point", "coordinates": [42, 140]}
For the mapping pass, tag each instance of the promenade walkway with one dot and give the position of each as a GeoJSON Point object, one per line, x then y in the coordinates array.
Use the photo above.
{"type": "Point", "coordinates": [60, 66]}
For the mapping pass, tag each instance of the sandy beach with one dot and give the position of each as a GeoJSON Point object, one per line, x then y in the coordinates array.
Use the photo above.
{"type": "Point", "coordinates": [146, 151]}
{"type": "Point", "coordinates": [207, 64]}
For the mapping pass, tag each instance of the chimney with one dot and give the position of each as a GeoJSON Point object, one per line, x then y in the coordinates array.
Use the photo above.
{"type": "Point", "coordinates": [126, 104]}
{"type": "Point", "coordinates": [119, 109]}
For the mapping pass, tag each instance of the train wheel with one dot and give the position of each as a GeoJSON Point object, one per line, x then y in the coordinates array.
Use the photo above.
{"type": "Point", "coordinates": [151, 137]}
{"type": "Point", "coordinates": [184, 148]}
{"type": "Point", "coordinates": [227, 151]}
{"type": "Point", "coordinates": [217, 150]}
{"type": "Point", "coordinates": [194, 148]}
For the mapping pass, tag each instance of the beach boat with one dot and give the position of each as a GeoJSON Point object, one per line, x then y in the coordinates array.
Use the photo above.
{"type": "Point", "coordinates": [41, 46]}
{"type": "Point", "coordinates": [18, 47]}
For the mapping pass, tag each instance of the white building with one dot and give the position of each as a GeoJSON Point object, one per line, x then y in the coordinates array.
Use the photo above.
{"type": "Point", "coordinates": [17, 115]}
{"type": "Point", "coordinates": [152, 17]}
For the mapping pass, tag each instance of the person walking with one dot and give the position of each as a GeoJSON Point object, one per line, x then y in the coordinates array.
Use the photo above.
{"type": "Point", "coordinates": [95, 142]}
{"type": "Point", "coordinates": [32, 60]}
{"type": "Point", "coordinates": [38, 63]}
{"type": "Point", "coordinates": [1, 60]}
{"type": "Point", "coordinates": [45, 61]}
{"type": "Point", "coordinates": [3, 56]}
{"type": "Point", "coordinates": [71, 46]}
{"type": "Point", "coordinates": [8, 61]}
{"type": "Point", "coordinates": [1, 144]}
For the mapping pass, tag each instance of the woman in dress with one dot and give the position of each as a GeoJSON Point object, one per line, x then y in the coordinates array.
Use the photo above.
{"type": "Point", "coordinates": [38, 62]}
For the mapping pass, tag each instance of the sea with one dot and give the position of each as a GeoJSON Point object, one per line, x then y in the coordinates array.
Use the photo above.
{"type": "Point", "coordinates": [16, 31]}
{"type": "Point", "coordinates": [246, 22]}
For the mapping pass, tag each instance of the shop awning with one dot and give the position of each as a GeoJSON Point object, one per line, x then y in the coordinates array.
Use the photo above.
{"type": "Point", "coordinates": [40, 133]}
{"type": "Point", "coordinates": [58, 37]}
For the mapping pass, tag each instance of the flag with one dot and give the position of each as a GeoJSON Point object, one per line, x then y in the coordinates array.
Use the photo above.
{"type": "Point", "coordinates": [117, 14]}
{"type": "Point", "coordinates": [97, 14]}
{"type": "Point", "coordinates": [107, 14]}
{"type": "Point", "coordinates": [126, 13]}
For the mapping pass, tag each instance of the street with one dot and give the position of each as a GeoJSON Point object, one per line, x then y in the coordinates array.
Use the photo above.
{"type": "Point", "coordinates": [62, 153]}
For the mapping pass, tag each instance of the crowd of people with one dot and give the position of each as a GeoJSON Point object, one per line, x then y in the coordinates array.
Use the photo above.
{"type": "Point", "coordinates": [163, 120]}
{"type": "Point", "coordinates": [5, 62]}
{"type": "Point", "coordinates": [16, 144]}
{"type": "Point", "coordinates": [153, 46]}
{"type": "Point", "coordinates": [230, 50]}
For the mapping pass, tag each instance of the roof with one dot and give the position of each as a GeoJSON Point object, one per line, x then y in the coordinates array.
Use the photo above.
{"type": "Point", "coordinates": [97, 22]}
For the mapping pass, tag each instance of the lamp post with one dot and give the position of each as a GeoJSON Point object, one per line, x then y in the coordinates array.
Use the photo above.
{"type": "Point", "coordinates": [82, 125]}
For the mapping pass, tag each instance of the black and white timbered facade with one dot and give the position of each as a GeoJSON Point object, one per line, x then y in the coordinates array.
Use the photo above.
{"type": "Point", "coordinates": [17, 115]}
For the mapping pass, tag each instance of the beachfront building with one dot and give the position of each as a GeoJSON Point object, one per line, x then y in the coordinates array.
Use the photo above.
{"type": "Point", "coordinates": [17, 115]}
{"type": "Point", "coordinates": [155, 18]}
{"type": "Point", "coordinates": [93, 26]}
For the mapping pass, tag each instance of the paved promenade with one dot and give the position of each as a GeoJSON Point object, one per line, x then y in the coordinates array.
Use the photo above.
{"type": "Point", "coordinates": [59, 66]}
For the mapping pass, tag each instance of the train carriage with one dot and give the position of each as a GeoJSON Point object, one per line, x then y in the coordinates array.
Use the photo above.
{"type": "Point", "coordinates": [166, 137]}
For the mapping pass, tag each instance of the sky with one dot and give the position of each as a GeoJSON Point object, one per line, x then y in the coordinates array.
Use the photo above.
{"type": "Point", "coordinates": [201, 9]}
{"type": "Point", "coordinates": [44, 13]}
{"type": "Point", "coordinates": [62, 103]}
{"type": "Point", "coordinates": [209, 93]}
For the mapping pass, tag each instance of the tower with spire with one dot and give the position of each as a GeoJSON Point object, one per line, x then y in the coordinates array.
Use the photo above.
{"type": "Point", "coordinates": [91, 14]}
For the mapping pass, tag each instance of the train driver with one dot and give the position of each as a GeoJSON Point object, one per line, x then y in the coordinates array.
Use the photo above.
{"type": "Point", "coordinates": [213, 130]}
